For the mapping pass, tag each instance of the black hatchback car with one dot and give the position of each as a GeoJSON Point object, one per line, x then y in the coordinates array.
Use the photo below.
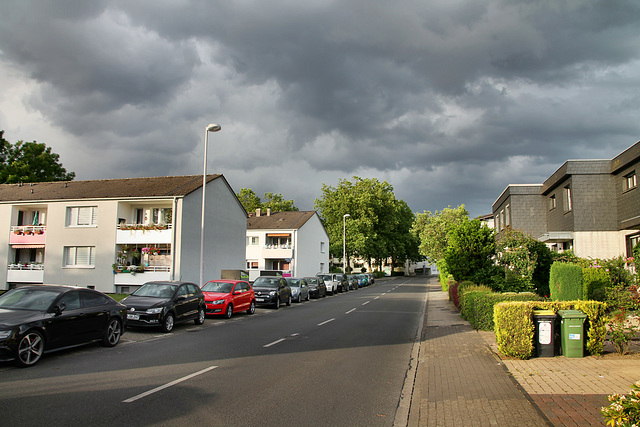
{"type": "Point", "coordinates": [163, 304]}
{"type": "Point", "coordinates": [42, 318]}
{"type": "Point", "coordinates": [271, 290]}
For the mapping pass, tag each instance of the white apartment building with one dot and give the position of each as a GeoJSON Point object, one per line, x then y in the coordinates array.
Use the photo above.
{"type": "Point", "coordinates": [294, 244]}
{"type": "Point", "coordinates": [114, 235]}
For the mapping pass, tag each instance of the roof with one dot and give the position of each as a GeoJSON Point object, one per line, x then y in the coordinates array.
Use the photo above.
{"type": "Point", "coordinates": [160, 186]}
{"type": "Point", "coordinates": [288, 220]}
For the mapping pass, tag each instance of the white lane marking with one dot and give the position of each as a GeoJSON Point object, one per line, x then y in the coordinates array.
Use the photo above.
{"type": "Point", "coordinates": [295, 335]}
{"type": "Point", "coordinates": [366, 302]}
{"type": "Point", "coordinates": [351, 311]}
{"type": "Point", "coordinates": [172, 383]}
{"type": "Point", "coordinates": [377, 297]}
{"type": "Point", "coordinates": [273, 343]}
{"type": "Point", "coordinates": [326, 321]}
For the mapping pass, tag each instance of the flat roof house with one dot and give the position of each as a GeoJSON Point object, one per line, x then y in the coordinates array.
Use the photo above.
{"type": "Point", "coordinates": [114, 235]}
{"type": "Point", "coordinates": [589, 206]}
{"type": "Point", "coordinates": [293, 243]}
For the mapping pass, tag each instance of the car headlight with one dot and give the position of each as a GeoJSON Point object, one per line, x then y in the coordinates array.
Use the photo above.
{"type": "Point", "coordinates": [272, 293]}
{"type": "Point", "coordinates": [217, 302]}
{"type": "Point", "coordinates": [154, 310]}
{"type": "Point", "coordinates": [5, 334]}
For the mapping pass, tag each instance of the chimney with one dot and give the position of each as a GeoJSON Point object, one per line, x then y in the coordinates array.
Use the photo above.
{"type": "Point", "coordinates": [258, 212]}
{"type": "Point", "coordinates": [268, 211]}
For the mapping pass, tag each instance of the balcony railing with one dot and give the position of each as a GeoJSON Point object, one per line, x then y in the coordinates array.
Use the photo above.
{"type": "Point", "coordinates": [143, 234]}
{"type": "Point", "coordinates": [28, 229]}
{"type": "Point", "coordinates": [25, 273]}
{"type": "Point", "coordinates": [144, 227]}
{"type": "Point", "coordinates": [26, 267]}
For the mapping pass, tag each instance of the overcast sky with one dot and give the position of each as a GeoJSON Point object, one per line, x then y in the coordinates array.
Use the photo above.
{"type": "Point", "coordinates": [449, 101]}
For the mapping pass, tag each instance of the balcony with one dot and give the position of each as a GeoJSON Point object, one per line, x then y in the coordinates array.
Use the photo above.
{"type": "Point", "coordinates": [131, 234]}
{"type": "Point", "coordinates": [28, 235]}
{"type": "Point", "coordinates": [277, 251]}
{"type": "Point", "coordinates": [25, 273]}
{"type": "Point", "coordinates": [151, 273]}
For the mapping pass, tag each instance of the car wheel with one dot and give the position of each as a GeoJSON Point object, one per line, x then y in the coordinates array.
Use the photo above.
{"type": "Point", "coordinates": [168, 323]}
{"type": "Point", "coordinates": [113, 333]}
{"type": "Point", "coordinates": [30, 349]}
{"type": "Point", "coordinates": [277, 303]}
{"type": "Point", "coordinates": [252, 308]}
{"type": "Point", "coordinates": [201, 316]}
{"type": "Point", "coordinates": [229, 312]}
{"type": "Point", "coordinates": [299, 298]}
{"type": "Point", "coordinates": [308, 297]}
{"type": "Point", "coordinates": [289, 300]}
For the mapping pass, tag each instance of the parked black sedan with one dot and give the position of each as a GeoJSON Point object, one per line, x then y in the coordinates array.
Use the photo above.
{"type": "Point", "coordinates": [43, 318]}
{"type": "Point", "coordinates": [163, 304]}
{"type": "Point", "coordinates": [317, 288]}
{"type": "Point", "coordinates": [271, 290]}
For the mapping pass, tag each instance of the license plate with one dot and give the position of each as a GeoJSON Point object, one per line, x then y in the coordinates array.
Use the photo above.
{"type": "Point", "coordinates": [260, 299]}
{"type": "Point", "coordinates": [133, 316]}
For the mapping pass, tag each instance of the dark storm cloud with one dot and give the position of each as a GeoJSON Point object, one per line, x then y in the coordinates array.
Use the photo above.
{"type": "Point", "coordinates": [448, 100]}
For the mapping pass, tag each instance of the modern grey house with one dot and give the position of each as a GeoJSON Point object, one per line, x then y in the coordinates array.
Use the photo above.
{"type": "Point", "coordinates": [114, 235]}
{"type": "Point", "coordinates": [589, 206]}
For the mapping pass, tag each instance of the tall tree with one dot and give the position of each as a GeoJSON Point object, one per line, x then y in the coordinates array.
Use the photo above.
{"type": "Point", "coordinates": [470, 251]}
{"type": "Point", "coordinates": [30, 162]}
{"type": "Point", "coordinates": [275, 202]}
{"type": "Point", "coordinates": [432, 229]}
{"type": "Point", "coordinates": [377, 223]}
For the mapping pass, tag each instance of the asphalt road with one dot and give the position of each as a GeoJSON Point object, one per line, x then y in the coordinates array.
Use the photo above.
{"type": "Point", "coordinates": [340, 361]}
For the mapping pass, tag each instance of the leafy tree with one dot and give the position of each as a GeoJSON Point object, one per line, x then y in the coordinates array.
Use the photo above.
{"type": "Point", "coordinates": [378, 226]}
{"type": "Point", "coordinates": [432, 230]}
{"type": "Point", "coordinates": [526, 262]}
{"type": "Point", "coordinates": [272, 201]}
{"type": "Point", "coordinates": [469, 253]}
{"type": "Point", "coordinates": [30, 162]}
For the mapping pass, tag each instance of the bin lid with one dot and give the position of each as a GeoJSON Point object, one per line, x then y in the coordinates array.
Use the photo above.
{"type": "Point", "coordinates": [572, 314]}
{"type": "Point", "coordinates": [543, 313]}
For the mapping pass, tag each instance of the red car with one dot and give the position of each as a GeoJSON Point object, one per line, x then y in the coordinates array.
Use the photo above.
{"type": "Point", "coordinates": [226, 297]}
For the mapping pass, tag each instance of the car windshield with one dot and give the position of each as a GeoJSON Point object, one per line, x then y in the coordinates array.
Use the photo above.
{"type": "Point", "coordinates": [156, 290]}
{"type": "Point", "coordinates": [221, 287]}
{"type": "Point", "coordinates": [295, 283]}
{"type": "Point", "coordinates": [325, 277]}
{"type": "Point", "coordinates": [267, 282]}
{"type": "Point", "coordinates": [28, 299]}
{"type": "Point", "coordinates": [312, 280]}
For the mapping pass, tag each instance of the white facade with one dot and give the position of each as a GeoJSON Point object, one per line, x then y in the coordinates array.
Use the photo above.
{"type": "Point", "coordinates": [92, 242]}
{"type": "Point", "coordinates": [296, 252]}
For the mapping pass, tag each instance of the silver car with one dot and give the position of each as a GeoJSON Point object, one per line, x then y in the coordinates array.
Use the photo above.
{"type": "Point", "coordinates": [299, 289]}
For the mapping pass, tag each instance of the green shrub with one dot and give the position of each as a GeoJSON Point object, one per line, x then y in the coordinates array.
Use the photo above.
{"type": "Point", "coordinates": [477, 305]}
{"type": "Point", "coordinates": [444, 275]}
{"type": "Point", "coordinates": [453, 294]}
{"type": "Point", "coordinates": [467, 293]}
{"type": "Point", "coordinates": [565, 282]}
{"type": "Point", "coordinates": [594, 282]}
{"type": "Point", "coordinates": [514, 326]}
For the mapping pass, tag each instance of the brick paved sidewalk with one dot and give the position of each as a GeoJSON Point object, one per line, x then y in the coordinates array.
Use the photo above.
{"type": "Point", "coordinates": [459, 381]}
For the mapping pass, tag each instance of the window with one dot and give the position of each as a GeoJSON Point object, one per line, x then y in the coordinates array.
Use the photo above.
{"type": "Point", "coordinates": [630, 181]}
{"type": "Point", "coordinates": [252, 265]}
{"type": "Point", "coordinates": [632, 241]}
{"type": "Point", "coordinates": [253, 240]}
{"type": "Point", "coordinates": [155, 215]}
{"type": "Point", "coordinates": [84, 216]}
{"type": "Point", "coordinates": [567, 198]}
{"type": "Point", "coordinates": [507, 215]}
{"type": "Point", "coordinates": [79, 256]}
{"type": "Point", "coordinates": [552, 202]}
{"type": "Point", "coordinates": [322, 247]}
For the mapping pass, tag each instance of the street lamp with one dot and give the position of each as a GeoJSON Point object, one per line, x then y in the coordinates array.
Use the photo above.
{"type": "Point", "coordinates": [344, 243]}
{"type": "Point", "coordinates": [210, 128]}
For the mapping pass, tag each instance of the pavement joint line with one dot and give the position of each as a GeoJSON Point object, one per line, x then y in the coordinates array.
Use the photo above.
{"type": "Point", "coordinates": [171, 384]}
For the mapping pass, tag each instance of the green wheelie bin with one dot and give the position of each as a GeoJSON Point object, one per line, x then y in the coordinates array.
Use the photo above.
{"type": "Point", "coordinates": [572, 332]}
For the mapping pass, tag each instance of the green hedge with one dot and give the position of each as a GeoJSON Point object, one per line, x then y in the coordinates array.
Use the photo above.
{"type": "Point", "coordinates": [565, 282]}
{"type": "Point", "coordinates": [594, 283]}
{"type": "Point", "coordinates": [514, 326]}
{"type": "Point", "coordinates": [477, 305]}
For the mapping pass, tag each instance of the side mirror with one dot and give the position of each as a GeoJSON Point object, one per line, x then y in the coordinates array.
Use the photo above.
{"type": "Point", "coordinates": [58, 309]}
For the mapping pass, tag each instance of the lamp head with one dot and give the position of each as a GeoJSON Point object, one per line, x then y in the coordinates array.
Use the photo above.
{"type": "Point", "coordinates": [213, 128]}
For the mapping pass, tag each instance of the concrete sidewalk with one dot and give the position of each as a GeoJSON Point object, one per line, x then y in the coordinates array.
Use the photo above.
{"type": "Point", "coordinates": [461, 380]}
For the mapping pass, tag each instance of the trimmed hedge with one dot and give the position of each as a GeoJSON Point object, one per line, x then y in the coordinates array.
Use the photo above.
{"type": "Point", "coordinates": [594, 283]}
{"type": "Point", "coordinates": [514, 326]}
{"type": "Point", "coordinates": [565, 282]}
{"type": "Point", "coordinates": [477, 305]}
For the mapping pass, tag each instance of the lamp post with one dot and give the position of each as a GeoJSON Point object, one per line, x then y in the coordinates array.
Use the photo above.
{"type": "Point", "coordinates": [210, 128]}
{"type": "Point", "coordinates": [344, 243]}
